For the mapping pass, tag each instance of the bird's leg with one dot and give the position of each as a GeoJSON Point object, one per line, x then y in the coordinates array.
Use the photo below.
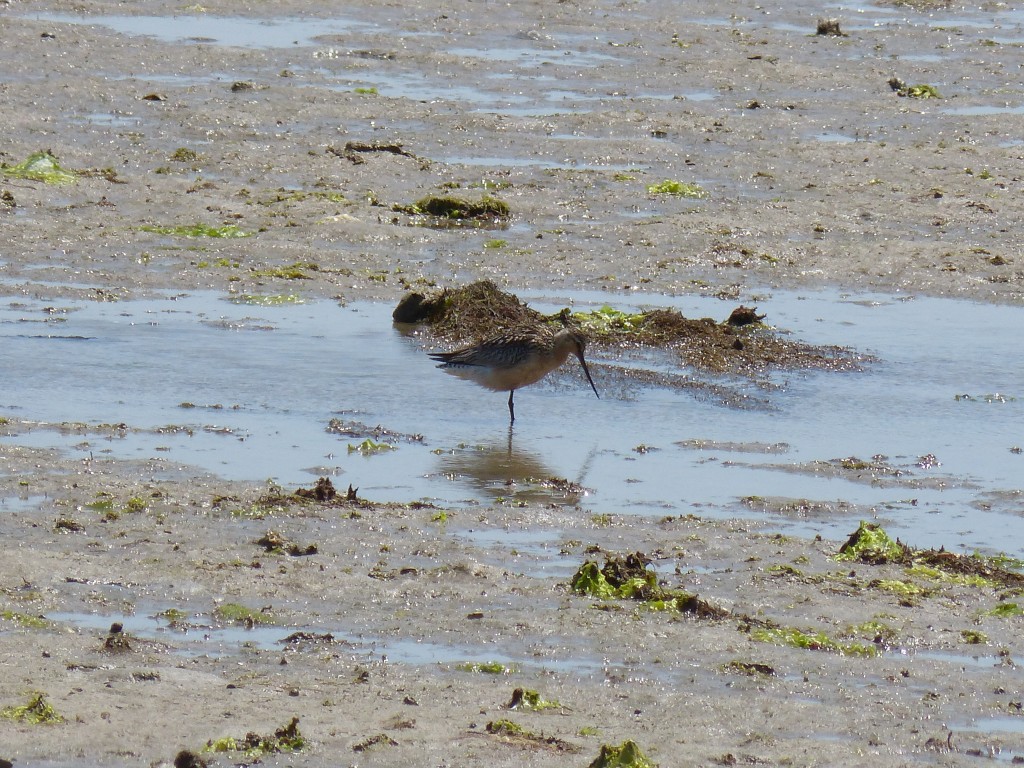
{"type": "Point", "coordinates": [511, 408]}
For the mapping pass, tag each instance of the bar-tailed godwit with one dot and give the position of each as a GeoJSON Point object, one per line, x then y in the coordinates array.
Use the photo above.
{"type": "Point", "coordinates": [515, 359]}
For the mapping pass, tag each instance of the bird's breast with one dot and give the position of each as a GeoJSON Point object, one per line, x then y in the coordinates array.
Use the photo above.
{"type": "Point", "coordinates": [506, 378]}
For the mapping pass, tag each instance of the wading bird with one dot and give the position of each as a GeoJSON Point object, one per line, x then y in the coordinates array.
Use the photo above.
{"type": "Point", "coordinates": [515, 359]}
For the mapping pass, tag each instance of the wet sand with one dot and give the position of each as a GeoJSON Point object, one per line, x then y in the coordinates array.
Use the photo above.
{"type": "Point", "coordinates": [816, 172]}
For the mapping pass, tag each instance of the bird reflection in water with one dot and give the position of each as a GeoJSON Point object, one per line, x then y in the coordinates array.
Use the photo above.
{"type": "Point", "coordinates": [499, 470]}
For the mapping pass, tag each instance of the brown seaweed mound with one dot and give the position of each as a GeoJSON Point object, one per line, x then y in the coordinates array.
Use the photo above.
{"type": "Point", "coordinates": [740, 345]}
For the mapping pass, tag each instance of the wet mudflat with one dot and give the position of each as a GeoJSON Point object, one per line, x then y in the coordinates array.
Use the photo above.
{"type": "Point", "coordinates": [195, 323]}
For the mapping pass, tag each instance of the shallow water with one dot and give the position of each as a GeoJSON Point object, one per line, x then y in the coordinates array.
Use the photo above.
{"type": "Point", "coordinates": [247, 392]}
{"type": "Point", "coordinates": [282, 32]}
{"type": "Point", "coordinates": [214, 640]}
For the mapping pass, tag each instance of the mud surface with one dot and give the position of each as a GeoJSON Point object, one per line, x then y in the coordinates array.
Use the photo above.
{"type": "Point", "coordinates": [379, 626]}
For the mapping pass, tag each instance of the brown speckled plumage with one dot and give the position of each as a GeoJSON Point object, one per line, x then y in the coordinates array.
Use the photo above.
{"type": "Point", "coordinates": [516, 358]}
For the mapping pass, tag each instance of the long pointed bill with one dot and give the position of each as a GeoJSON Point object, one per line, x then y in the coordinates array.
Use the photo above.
{"type": "Point", "coordinates": [587, 371]}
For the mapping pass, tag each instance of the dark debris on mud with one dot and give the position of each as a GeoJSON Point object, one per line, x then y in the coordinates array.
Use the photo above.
{"type": "Point", "coordinates": [324, 493]}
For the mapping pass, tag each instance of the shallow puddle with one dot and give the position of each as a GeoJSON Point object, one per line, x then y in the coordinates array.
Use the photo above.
{"type": "Point", "coordinates": [962, 660]}
{"type": "Point", "coordinates": [211, 640]}
{"type": "Point", "coordinates": [21, 503]}
{"type": "Point", "coordinates": [248, 392]}
{"type": "Point", "coordinates": [214, 640]}
{"type": "Point", "coordinates": [236, 31]}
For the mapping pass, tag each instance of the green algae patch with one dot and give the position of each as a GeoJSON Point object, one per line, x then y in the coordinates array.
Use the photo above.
{"type": "Point", "coordinates": [287, 738]}
{"type": "Point", "coordinates": [812, 641]}
{"type": "Point", "coordinates": [296, 271]}
{"type": "Point", "coordinates": [369, 448]}
{"type": "Point", "coordinates": [24, 620]}
{"type": "Point", "coordinates": [196, 230]}
{"type": "Point", "coordinates": [512, 733]}
{"type": "Point", "coordinates": [135, 504]}
{"type": "Point", "coordinates": [907, 590]}
{"type": "Point", "coordinates": [972, 570]}
{"type": "Point", "coordinates": [879, 632]}
{"type": "Point", "coordinates": [40, 166]}
{"type": "Point", "coordinates": [973, 637]}
{"type": "Point", "coordinates": [937, 574]}
{"type": "Point", "coordinates": [871, 544]}
{"type": "Point", "coordinates": [103, 505]}
{"type": "Point", "coordinates": [110, 509]}
{"type": "Point", "coordinates": [1005, 562]}
{"type": "Point", "coordinates": [183, 155]}
{"type": "Point", "coordinates": [920, 91]}
{"type": "Point", "coordinates": [235, 613]}
{"type": "Point", "coordinates": [608, 320]}
{"type": "Point", "coordinates": [677, 189]}
{"type": "Point", "coordinates": [629, 578]}
{"type": "Point", "coordinates": [627, 755]}
{"type": "Point", "coordinates": [38, 711]}
{"type": "Point", "coordinates": [1006, 610]}
{"type": "Point", "coordinates": [589, 580]}
{"type": "Point", "coordinates": [524, 698]}
{"type": "Point", "coordinates": [506, 727]}
{"type": "Point", "coordinates": [174, 617]}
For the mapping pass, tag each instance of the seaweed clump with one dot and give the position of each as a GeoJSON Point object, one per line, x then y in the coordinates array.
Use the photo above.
{"type": "Point", "coordinates": [626, 755]}
{"type": "Point", "coordinates": [117, 640]}
{"type": "Point", "coordinates": [742, 344]}
{"type": "Point", "coordinates": [287, 738]}
{"type": "Point", "coordinates": [450, 210]}
{"type": "Point", "coordinates": [677, 189]}
{"type": "Point", "coordinates": [524, 698]}
{"type": "Point", "coordinates": [40, 166]}
{"type": "Point", "coordinates": [450, 207]}
{"type": "Point", "coordinates": [921, 91]}
{"type": "Point", "coordinates": [323, 492]}
{"type": "Point", "coordinates": [38, 711]}
{"type": "Point", "coordinates": [476, 310]}
{"type": "Point", "coordinates": [829, 28]}
{"type": "Point", "coordinates": [513, 733]}
{"type": "Point", "coordinates": [629, 578]}
{"type": "Point", "coordinates": [277, 544]}
{"type": "Point", "coordinates": [872, 545]}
